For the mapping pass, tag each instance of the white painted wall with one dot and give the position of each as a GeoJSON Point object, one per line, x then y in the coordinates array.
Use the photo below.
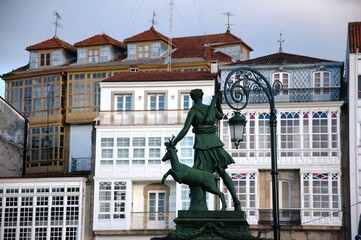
{"type": "Point", "coordinates": [354, 140]}
{"type": "Point", "coordinates": [139, 91]}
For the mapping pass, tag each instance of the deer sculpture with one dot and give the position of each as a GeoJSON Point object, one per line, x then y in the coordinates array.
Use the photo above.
{"type": "Point", "coordinates": [190, 176]}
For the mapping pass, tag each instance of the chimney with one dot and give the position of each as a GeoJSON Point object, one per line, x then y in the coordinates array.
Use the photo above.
{"type": "Point", "coordinates": [214, 66]}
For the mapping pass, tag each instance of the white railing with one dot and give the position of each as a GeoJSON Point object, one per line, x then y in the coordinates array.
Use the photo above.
{"type": "Point", "coordinates": [169, 117]}
{"type": "Point", "coordinates": [324, 217]}
{"type": "Point", "coordinates": [156, 220]}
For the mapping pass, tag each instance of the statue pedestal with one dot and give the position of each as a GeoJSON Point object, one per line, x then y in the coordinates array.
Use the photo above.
{"type": "Point", "coordinates": [215, 225]}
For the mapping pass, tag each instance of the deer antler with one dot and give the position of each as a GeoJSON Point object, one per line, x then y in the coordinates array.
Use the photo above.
{"type": "Point", "coordinates": [169, 143]}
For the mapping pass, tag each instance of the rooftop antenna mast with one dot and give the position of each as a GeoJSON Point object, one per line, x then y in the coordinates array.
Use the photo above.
{"type": "Point", "coordinates": [171, 4]}
{"type": "Point", "coordinates": [153, 19]}
{"type": "Point", "coordinates": [280, 41]}
{"type": "Point", "coordinates": [228, 14]}
{"type": "Point", "coordinates": [57, 23]}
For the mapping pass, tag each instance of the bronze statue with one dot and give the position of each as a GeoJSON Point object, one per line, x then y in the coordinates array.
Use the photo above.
{"type": "Point", "coordinates": [209, 154]}
{"type": "Point", "coordinates": [191, 176]}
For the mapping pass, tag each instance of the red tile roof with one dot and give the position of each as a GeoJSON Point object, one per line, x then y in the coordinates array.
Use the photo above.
{"type": "Point", "coordinates": [193, 46]}
{"type": "Point", "coordinates": [282, 58]}
{"type": "Point", "coordinates": [210, 39]}
{"type": "Point", "coordinates": [100, 39]}
{"type": "Point", "coordinates": [205, 52]}
{"type": "Point", "coordinates": [52, 43]}
{"type": "Point", "coordinates": [150, 34]}
{"type": "Point", "coordinates": [354, 37]}
{"type": "Point", "coordinates": [160, 76]}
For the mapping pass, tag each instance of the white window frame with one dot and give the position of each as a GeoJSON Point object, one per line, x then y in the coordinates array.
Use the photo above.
{"type": "Point", "coordinates": [284, 78]}
{"type": "Point", "coordinates": [156, 214]}
{"type": "Point", "coordinates": [321, 83]}
{"type": "Point", "coordinates": [186, 101]}
{"type": "Point", "coordinates": [123, 150]}
{"type": "Point", "coordinates": [317, 191]}
{"type": "Point", "coordinates": [154, 150]}
{"type": "Point", "coordinates": [123, 102]}
{"type": "Point", "coordinates": [155, 99]}
{"type": "Point", "coordinates": [246, 192]}
{"type": "Point", "coordinates": [93, 55]}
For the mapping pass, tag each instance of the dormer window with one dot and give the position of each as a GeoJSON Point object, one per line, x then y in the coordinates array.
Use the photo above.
{"type": "Point", "coordinates": [143, 51]}
{"type": "Point", "coordinates": [321, 82]}
{"type": "Point", "coordinates": [45, 59]}
{"type": "Point", "coordinates": [93, 55]}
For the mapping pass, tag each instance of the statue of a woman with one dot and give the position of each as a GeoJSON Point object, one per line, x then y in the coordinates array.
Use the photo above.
{"type": "Point", "coordinates": [209, 154]}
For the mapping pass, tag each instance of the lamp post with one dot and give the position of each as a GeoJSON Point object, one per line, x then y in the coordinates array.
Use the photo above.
{"type": "Point", "coordinates": [238, 85]}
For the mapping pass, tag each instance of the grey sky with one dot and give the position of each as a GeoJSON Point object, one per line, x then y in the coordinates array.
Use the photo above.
{"type": "Point", "coordinates": [314, 28]}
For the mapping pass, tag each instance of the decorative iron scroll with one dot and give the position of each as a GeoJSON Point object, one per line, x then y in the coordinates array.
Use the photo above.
{"type": "Point", "coordinates": [241, 82]}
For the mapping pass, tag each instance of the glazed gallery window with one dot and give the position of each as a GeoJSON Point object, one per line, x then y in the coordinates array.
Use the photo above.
{"type": "Point", "coordinates": [112, 199]}
{"type": "Point", "coordinates": [36, 96]}
{"type": "Point", "coordinates": [141, 150]}
{"type": "Point", "coordinates": [123, 102]}
{"type": "Point", "coordinates": [156, 101]}
{"type": "Point", "coordinates": [47, 144]}
{"type": "Point", "coordinates": [245, 185]}
{"type": "Point", "coordinates": [37, 211]}
{"type": "Point", "coordinates": [186, 151]}
{"type": "Point", "coordinates": [84, 92]}
{"type": "Point", "coordinates": [107, 151]}
{"type": "Point", "coordinates": [45, 59]}
{"type": "Point", "coordinates": [138, 150]}
{"type": "Point", "coordinates": [290, 134]}
{"type": "Point", "coordinates": [185, 202]}
{"type": "Point", "coordinates": [123, 144]}
{"type": "Point", "coordinates": [321, 191]}
{"type": "Point", "coordinates": [154, 150]}
{"type": "Point", "coordinates": [264, 137]}
{"type": "Point", "coordinates": [324, 133]}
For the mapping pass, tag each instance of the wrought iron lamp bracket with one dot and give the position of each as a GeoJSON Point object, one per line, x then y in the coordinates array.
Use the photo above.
{"type": "Point", "coordinates": [242, 82]}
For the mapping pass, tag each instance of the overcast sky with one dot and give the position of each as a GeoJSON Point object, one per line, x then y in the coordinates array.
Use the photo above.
{"type": "Point", "coordinates": [316, 28]}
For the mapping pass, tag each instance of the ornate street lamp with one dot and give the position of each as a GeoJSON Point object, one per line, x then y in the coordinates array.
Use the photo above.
{"type": "Point", "coordinates": [237, 125]}
{"type": "Point", "coordinates": [238, 85]}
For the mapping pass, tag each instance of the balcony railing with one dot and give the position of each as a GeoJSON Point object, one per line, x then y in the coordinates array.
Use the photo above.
{"type": "Point", "coordinates": [80, 164]}
{"type": "Point", "coordinates": [287, 216]}
{"type": "Point", "coordinates": [299, 95]}
{"type": "Point", "coordinates": [319, 217]}
{"type": "Point", "coordinates": [152, 220]}
{"type": "Point", "coordinates": [168, 117]}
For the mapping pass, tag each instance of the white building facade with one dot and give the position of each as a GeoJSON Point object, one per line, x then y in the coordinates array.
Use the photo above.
{"type": "Point", "coordinates": [309, 111]}
{"type": "Point", "coordinates": [138, 115]}
{"type": "Point", "coordinates": [140, 112]}
{"type": "Point", "coordinates": [353, 77]}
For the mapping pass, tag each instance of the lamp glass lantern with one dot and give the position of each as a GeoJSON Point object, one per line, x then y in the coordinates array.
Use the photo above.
{"type": "Point", "coordinates": [237, 125]}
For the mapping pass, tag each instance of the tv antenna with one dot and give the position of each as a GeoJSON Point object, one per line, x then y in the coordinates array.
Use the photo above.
{"type": "Point", "coordinates": [57, 23]}
{"type": "Point", "coordinates": [154, 22]}
{"type": "Point", "coordinates": [228, 14]}
{"type": "Point", "coordinates": [171, 5]}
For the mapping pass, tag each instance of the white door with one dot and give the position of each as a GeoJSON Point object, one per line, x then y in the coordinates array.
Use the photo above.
{"type": "Point", "coordinates": [156, 209]}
